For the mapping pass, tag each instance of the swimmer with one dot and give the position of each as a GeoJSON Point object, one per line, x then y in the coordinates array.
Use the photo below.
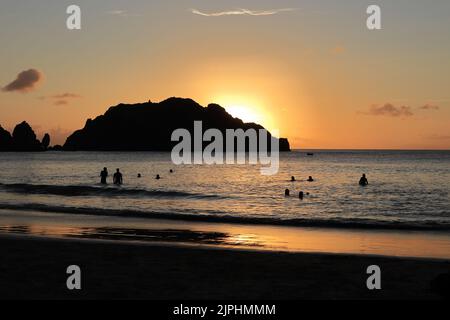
{"type": "Point", "coordinates": [103, 175]}
{"type": "Point", "coordinates": [139, 175]}
{"type": "Point", "coordinates": [363, 181]}
{"type": "Point", "coordinates": [286, 193]}
{"type": "Point", "coordinates": [301, 195]}
{"type": "Point", "coordinates": [117, 178]}
{"type": "Point", "coordinates": [157, 177]}
{"type": "Point", "coordinates": [292, 179]}
{"type": "Point", "coordinates": [310, 179]}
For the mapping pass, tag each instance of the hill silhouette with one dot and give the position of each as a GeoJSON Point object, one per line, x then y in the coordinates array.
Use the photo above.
{"type": "Point", "coordinates": [149, 126]}
{"type": "Point", "coordinates": [5, 140]}
{"type": "Point", "coordinates": [23, 138]}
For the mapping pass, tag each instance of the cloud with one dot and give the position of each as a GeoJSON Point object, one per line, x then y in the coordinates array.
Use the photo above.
{"type": "Point", "coordinates": [60, 102]}
{"type": "Point", "coordinates": [438, 137]}
{"type": "Point", "coordinates": [241, 12]}
{"type": "Point", "coordinates": [116, 12]}
{"type": "Point", "coordinates": [429, 107]}
{"type": "Point", "coordinates": [66, 95]}
{"type": "Point", "coordinates": [390, 110]}
{"type": "Point", "coordinates": [121, 13]}
{"type": "Point", "coordinates": [61, 99]}
{"type": "Point", "coordinates": [25, 81]}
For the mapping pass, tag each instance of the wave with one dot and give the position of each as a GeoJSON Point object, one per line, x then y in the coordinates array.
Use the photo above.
{"type": "Point", "coordinates": [82, 191]}
{"type": "Point", "coordinates": [425, 225]}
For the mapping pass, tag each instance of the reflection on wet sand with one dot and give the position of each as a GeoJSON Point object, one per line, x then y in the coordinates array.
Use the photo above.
{"type": "Point", "coordinates": [133, 234]}
{"type": "Point", "coordinates": [240, 236]}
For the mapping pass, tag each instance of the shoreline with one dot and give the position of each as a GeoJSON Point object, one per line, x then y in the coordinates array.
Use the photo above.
{"type": "Point", "coordinates": [224, 219]}
{"type": "Point", "coordinates": [389, 243]}
{"type": "Point", "coordinates": [33, 267]}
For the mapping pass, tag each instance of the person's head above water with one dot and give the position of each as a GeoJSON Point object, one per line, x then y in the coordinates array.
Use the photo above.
{"type": "Point", "coordinates": [363, 181]}
{"type": "Point", "coordinates": [158, 177]}
{"type": "Point", "coordinates": [301, 194]}
{"type": "Point", "coordinates": [171, 171]}
{"type": "Point", "coordinates": [292, 178]}
{"type": "Point", "coordinates": [286, 192]}
{"type": "Point", "coordinates": [139, 175]}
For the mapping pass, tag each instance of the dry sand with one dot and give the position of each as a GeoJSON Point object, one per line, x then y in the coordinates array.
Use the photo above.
{"type": "Point", "coordinates": [32, 267]}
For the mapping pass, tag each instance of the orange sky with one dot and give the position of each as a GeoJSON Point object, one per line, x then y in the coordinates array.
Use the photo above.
{"type": "Point", "coordinates": [314, 72]}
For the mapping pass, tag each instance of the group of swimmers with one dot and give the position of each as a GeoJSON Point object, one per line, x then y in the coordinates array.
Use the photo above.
{"type": "Point", "coordinates": [310, 179]}
{"type": "Point", "coordinates": [118, 178]}
{"type": "Point", "coordinates": [362, 182]}
{"type": "Point", "coordinates": [301, 194]}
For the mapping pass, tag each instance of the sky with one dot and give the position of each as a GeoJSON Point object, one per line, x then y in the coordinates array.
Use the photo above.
{"type": "Point", "coordinates": [308, 68]}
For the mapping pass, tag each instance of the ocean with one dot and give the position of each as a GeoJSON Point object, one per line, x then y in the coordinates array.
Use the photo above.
{"type": "Point", "coordinates": [408, 190]}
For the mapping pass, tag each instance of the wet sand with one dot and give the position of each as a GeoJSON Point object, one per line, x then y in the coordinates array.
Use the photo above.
{"type": "Point", "coordinates": [32, 267]}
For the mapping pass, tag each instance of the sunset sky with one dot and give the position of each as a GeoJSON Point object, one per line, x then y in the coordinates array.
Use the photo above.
{"type": "Point", "coordinates": [309, 68]}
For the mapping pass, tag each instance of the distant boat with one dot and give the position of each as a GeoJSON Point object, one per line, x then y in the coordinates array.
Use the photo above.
{"type": "Point", "coordinates": [310, 154]}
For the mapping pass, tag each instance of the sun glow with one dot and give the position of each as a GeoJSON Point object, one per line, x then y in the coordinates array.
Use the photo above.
{"type": "Point", "coordinates": [244, 113]}
{"type": "Point", "coordinates": [248, 109]}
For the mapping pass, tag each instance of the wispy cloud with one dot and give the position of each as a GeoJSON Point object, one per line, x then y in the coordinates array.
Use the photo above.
{"type": "Point", "coordinates": [121, 13]}
{"type": "Point", "coordinates": [389, 110]}
{"type": "Point", "coordinates": [429, 107]}
{"type": "Point", "coordinates": [25, 81]}
{"type": "Point", "coordinates": [241, 12]}
{"type": "Point", "coordinates": [61, 99]}
{"type": "Point", "coordinates": [438, 137]}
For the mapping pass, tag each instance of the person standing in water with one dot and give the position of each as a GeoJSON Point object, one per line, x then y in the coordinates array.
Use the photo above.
{"type": "Point", "coordinates": [103, 175]}
{"type": "Point", "coordinates": [117, 178]}
{"type": "Point", "coordinates": [363, 181]}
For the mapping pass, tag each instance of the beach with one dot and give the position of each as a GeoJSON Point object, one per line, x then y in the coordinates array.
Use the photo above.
{"type": "Point", "coordinates": [33, 267]}
{"type": "Point", "coordinates": [225, 232]}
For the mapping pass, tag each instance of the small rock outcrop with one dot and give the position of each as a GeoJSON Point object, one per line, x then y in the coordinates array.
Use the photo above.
{"type": "Point", "coordinates": [22, 139]}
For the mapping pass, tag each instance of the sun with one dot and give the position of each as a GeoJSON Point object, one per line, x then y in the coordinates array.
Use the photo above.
{"type": "Point", "coordinates": [244, 113]}
{"type": "Point", "coordinates": [247, 108]}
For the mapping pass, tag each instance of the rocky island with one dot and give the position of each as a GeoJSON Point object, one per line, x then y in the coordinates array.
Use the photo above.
{"type": "Point", "coordinates": [149, 126]}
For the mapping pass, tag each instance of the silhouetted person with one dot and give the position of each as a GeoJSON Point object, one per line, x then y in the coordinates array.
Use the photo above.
{"type": "Point", "coordinates": [301, 195]}
{"type": "Point", "coordinates": [171, 171]}
{"type": "Point", "coordinates": [310, 179]}
{"type": "Point", "coordinates": [139, 175]}
{"type": "Point", "coordinates": [103, 176]}
{"type": "Point", "coordinates": [117, 178]}
{"type": "Point", "coordinates": [292, 178]}
{"type": "Point", "coordinates": [286, 193]}
{"type": "Point", "coordinates": [157, 177]}
{"type": "Point", "coordinates": [363, 181]}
